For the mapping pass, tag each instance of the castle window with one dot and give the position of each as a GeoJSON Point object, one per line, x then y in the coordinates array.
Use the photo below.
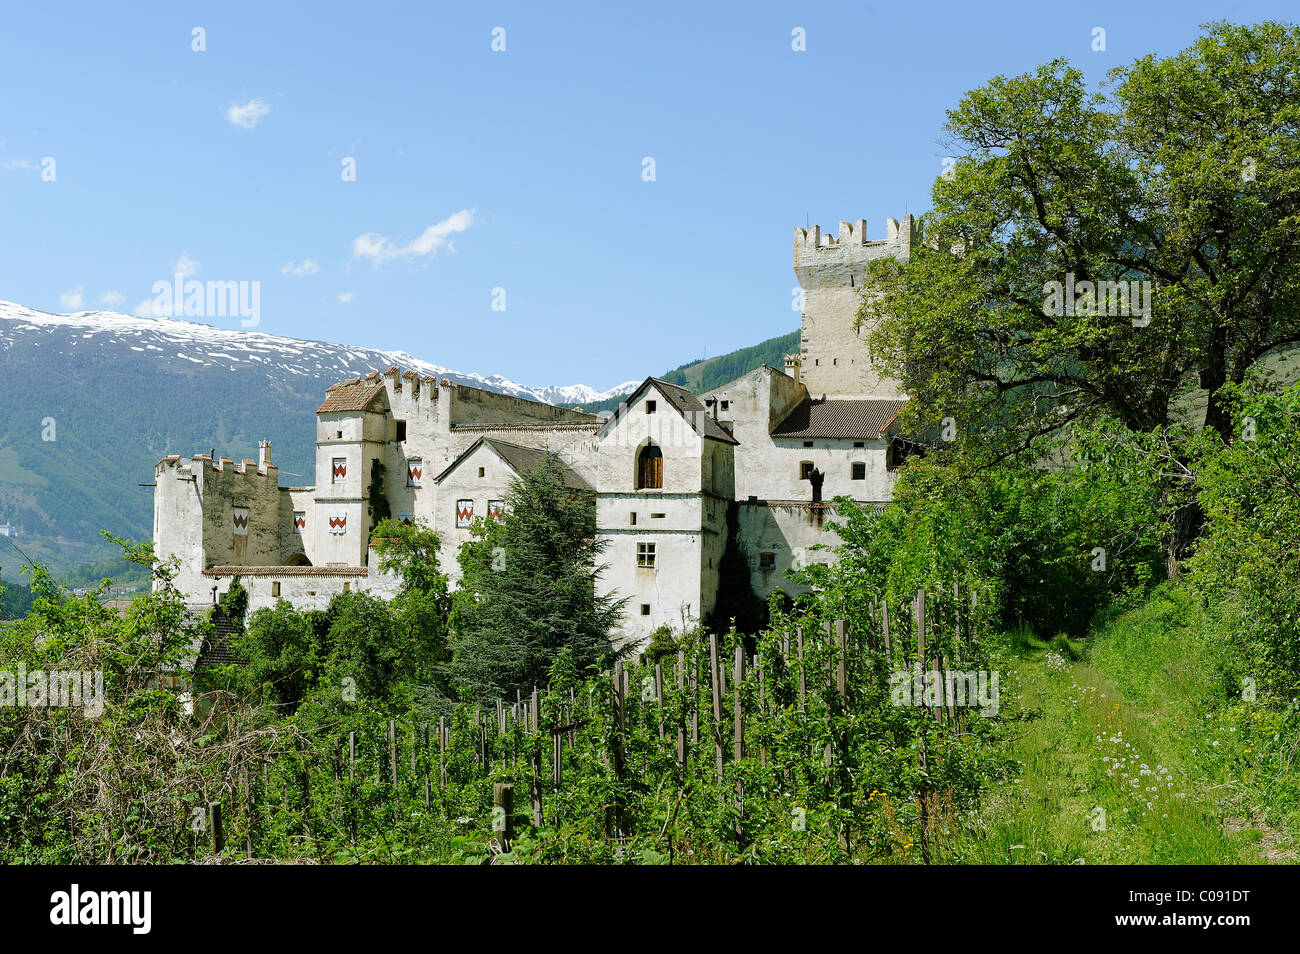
{"type": "Point", "coordinates": [464, 513]}
{"type": "Point", "coordinates": [645, 609]}
{"type": "Point", "coordinates": [632, 518]}
{"type": "Point", "coordinates": [275, 588]}
{"type": "Point", "coordinates": [805, 469]}
{"type": "Point", "coordinates": [807, 443]}
{"type": "Point", "coordinates": [650, 468]}
{"type": "Point", "coordinates": [767, 561]}
{"type": "Point", "coordinates": [726, 405]}
{"type": "Point", "coordinates": [645, 555]}
{"type": "Point", "coordinates": [859, 444]}
{"type": "Point", "coordinates": [414, 471]}
{"type": "Point", "coordinates": [859, 471]}
{"type": "Point", "coordinates": [656, 516]}
{"type": "Point", "coordinates": [482, 471]}
{"type": "Point", "coordinates": [339, 434]}
{"type": "Point", "coordinates": [651, 407]}
{"type": "Point", "coordinates": [401, 430]}
{"type": "Point", "coordinates": [347, 587]}
{"type": "Point", "coordinates": [339, 470]}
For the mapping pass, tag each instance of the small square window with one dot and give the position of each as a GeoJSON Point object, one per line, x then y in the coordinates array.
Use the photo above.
{"type": "Point", "coordinates": [651, 407]}
{"type": "Point", "coordinates": [275, 588]}
{"type": "Point", "coordinates": [339, 435]}
{"type": "Point", "coordinates": [347, 587]}
{"type": "Point", "coordinates": [401, 430]}
{"type": "Point", "coordinates": [632, 518]}
{"type": "Point", "coordinates": [807, 443]}
{"type": "Point", "coordinates": [645, 609]}
{"type": "Point", "coordinates": [482, 471]}
{"type": "Point", "coordinates": [859, 471]}
{"type": "Point", "coordinates": [645, 555]}
{"type": "Point", "coordinates": [726, 405]}
{"type": "Point", "coordinates": [656, 516]}
{"type": "Point", "coordinates": [805, 469]}
{"type": "Point", "coordinates": [859, 444]}
{"type": "Point", "coordinates": [767, 561]}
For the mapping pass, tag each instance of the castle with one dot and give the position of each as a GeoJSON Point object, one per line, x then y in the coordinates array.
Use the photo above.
{"type": "Point", "coordinates": [664, 469]}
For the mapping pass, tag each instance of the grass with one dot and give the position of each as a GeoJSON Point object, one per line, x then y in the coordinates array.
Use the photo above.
{"type": "Point", "coordinates": [1130, 752]}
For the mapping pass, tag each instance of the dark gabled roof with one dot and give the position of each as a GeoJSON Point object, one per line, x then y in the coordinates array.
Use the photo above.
{"type": "Point", "coordinates": [684, 403]}
{"type": "Point", "coordinates": [519, 459]}
{"type": "Point", "coordinates": [218, 650]}
{"type": "Point", "coordinates": [354, 394]}
{"type": "Point", "coordinates": [840, 419]}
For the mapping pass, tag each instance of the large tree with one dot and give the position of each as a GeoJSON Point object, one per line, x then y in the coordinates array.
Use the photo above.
{"type": "Point", "coordinates": [1181, 172]}
{"type": "Point", "coordinates": [528, 590]}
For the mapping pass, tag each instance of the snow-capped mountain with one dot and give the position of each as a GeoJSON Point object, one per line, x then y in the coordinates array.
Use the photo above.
{"type": "Point", "coordinates": [209, 346]}
{"type": "Point", "coordinates": [93, 400]}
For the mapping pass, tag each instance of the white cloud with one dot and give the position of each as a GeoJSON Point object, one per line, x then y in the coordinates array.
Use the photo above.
{"type": "Point", "coordinates": [73, 298]}
{"type": "Point", "coordinates": [345, 297]}
{"type": "Point", "coordinates": [308, 267]}
{"type": "Point", "coordinates": [186, 265]}
{"type": "Point", "coordinates": [147, 309]}
{"type": "Point", "coordinates": [247, 115]}
{"type": "Point", "coordinates": [380, 249]}
{"type": "Point", "coordinates": [112, 298]}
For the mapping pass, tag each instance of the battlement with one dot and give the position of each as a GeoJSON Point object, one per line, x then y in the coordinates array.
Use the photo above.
{"type": "Point", "coordinates": [811, 247]}
{"type": "Point", "coordinates": [186, 467]}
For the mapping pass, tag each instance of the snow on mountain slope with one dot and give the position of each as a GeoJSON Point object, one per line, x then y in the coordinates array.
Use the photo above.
{"type": "Point", "coordinates": [171, 339]}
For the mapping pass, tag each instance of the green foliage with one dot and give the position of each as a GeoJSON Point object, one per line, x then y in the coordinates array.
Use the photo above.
{"type": "Point", "coordinates": [1247, 565]}
{"type": "Point", "coordinates": [377, 495]}
{"type": "Point", "coordinates": [280, 649]}
{"type": "Point", "coordinates": [528, 589]}
{"type": "Point", "coordinates": [234, 602]}
{"type": "Point", "coordinates": [1024, 540]}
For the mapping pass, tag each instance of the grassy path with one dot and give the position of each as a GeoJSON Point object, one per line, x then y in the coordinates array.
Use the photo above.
{"type": "Point", "coordinates": [1122, 761]}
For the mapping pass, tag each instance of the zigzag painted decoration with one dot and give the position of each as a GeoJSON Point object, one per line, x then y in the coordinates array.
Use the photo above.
{"type": "Point", "coordinates": [338, 521]}
{"type": "Point", "coordinates": [414, 471]}
{"type": "Point", "coordinates": [464, 512]}
{"type": "Point", "coordinates": [299, 521]}
{"type": "Point", "coordinates": [239, 521]}
{"type": "Point", "coordinates": [340, 468]}
{"type": "Point", "coordinates": [496, 509]}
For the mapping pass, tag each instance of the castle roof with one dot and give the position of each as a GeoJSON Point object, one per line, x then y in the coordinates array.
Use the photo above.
{"type": "Point", "coordinates": [684, 403]}
{"type": "Point", "coordinates": [840, 419]}
{"type": "Point", "coordinates": [352, 395]}
{"type": "Point", "coordinates": [519, 458]}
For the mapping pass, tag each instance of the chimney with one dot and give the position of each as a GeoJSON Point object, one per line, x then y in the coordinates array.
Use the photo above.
{"type": "Point", "coordinates": [263, 454]}
{"type": "Point", "coordinates": [792, 365]}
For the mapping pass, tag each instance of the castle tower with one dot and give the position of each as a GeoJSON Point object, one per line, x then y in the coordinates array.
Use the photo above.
{"type": "Point", "coordinates": [831, 272]}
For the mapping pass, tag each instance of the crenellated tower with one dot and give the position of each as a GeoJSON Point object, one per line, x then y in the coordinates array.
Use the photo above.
{"type": "Point", "coordinates": [834, 361]}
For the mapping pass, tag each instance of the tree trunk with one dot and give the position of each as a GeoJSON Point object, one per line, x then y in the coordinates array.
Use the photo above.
{"type": "Point", "coordinates": [1185, 524]}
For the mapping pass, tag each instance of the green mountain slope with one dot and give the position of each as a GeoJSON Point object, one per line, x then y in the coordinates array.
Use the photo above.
{"type": "Point", "coordinates": [705, 374]}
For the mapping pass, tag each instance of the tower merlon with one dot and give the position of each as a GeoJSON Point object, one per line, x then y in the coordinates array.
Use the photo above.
{"type": "Point", "coordinates": [811, 247]}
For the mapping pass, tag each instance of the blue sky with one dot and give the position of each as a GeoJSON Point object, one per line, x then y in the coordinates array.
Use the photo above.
{"type": "Point", "coordinates": [478, 170]}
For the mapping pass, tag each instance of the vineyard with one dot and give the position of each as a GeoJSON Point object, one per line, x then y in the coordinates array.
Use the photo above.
{"type": "Point", "coordinates": [805, 744]}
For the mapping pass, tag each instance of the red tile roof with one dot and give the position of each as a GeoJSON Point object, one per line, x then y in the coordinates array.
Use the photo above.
{"type": "Point", "coordinates": [353, 395]}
